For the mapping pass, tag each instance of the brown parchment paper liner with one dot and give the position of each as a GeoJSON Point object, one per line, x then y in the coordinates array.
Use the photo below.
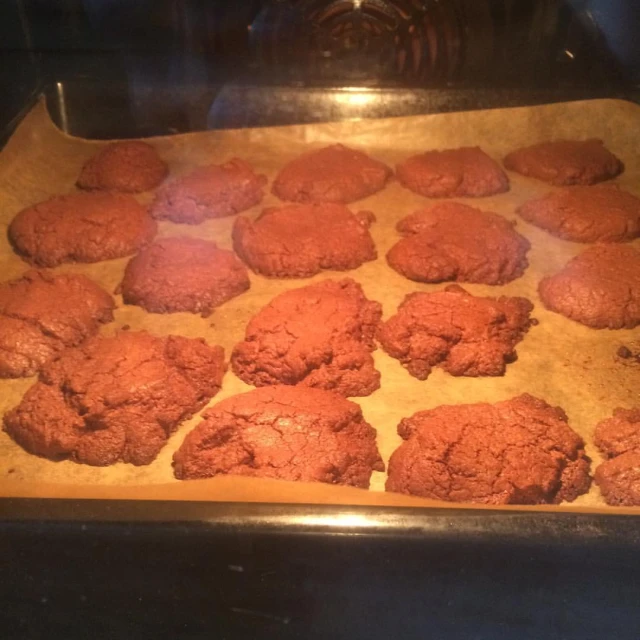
{"type": "Point", "coordinates": [561, 361]}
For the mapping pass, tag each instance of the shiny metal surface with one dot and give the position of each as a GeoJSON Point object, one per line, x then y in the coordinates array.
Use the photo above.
{"type": "Point", "coordinates": [454, 523]}
{"type": "Point", "coordinates": [104, 110]}
{"type": "Point", "coordinates": [237, 106]}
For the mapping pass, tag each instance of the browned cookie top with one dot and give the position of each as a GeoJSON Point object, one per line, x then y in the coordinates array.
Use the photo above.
{"type": "Point", "coordinates": [319, 336]}
{"type": "Point", "coordinates": [81, 227]}
{"type": "Point", "coordinates": [519, 451]}
{"type": "Point", "coordinates": [467, 171]}
{"type": "Point", "coordinates": [290, 433]}
{"type": "Point", "coordinates": [116, 398]}
{"type": "Point", "coordinates": [599, 288]}
{"type": "Point", "coordinates": [586, 214]}
{"type": "Point", "coordinates": [565, 162]}
{"type": "Point", "coordinates": [41, 313]}
{"type": "Point", "coordinates": [619, 439]}
{"type": "Point", "coordinates": [299, 240]}
{"type": "Point", "coordinates": [619, 479]}
{"type": "Point", "coordinates": [183, 274]}
{"type": "Point", "coordinates": [332, 174]}
{"type": "Point", "coordinates": [463, 334]}
{"type": "Point", "coordinates": [214, 191]}
{"type": "Point", "coordinates": [132, 166]}
{"type": "Point", "coordinates": [619, 434]}
{"type": "Point", "coordinates": [451, 241]}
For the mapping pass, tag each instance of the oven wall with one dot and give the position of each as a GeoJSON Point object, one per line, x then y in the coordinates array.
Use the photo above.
{"type": "Point", "coordinates": [156, 66]}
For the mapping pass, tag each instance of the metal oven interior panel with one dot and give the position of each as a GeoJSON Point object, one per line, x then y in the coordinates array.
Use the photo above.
{"type": "Point", "coordinates": [112, 68]}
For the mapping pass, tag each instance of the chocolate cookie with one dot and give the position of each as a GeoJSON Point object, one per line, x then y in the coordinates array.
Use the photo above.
{"type": "Point", "coordinates": [41, 313]}
{"type": "Point", "coordinates": [332, 174]}
{"type": "Point", "coordinates": [81, 227]}
{"type": "Point", "coordinates": [451, 241]}
{"type": "Point", "coordinates": [116, 398]}
{"type": "Point", "coordinates": [519, 451]}
{"type": "Point", "coordinates": [215, 191]}
{"type": "Point", "coordinates": [450, 173]}
{"type": "Point", "coordinates": [289, 433]}
{"type": "Point", "coordinates": [619, 479]}
{"type": "Point", "coordinates": [619, 434]}
{"type": "Point", "coordinates": [586, 214]}
{"type": "Point", "coordinates": [319, 336]}
{"type": "Point", "coordinates": [460, 333]}
{"type": "Point", "coordinates": [132, 166]}
{"type": "Point", "coordinates": [565, 162]}
{"type": "Point", "coordinates": [619, 439]}
{"type": "Point", "coordinates": [299, 240]}
{"type": "Point", "coordinates": [183, 274]}
{"type": "Point", "coordinates": [599, 288]}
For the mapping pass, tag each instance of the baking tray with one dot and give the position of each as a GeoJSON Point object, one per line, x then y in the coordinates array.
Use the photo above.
{"type": "Point", "coordinates": [576, 369]}
{"type": "Point", "coordinates": [148, 567]}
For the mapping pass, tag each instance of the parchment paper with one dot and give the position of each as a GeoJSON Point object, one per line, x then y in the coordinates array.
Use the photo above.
{"type": "Point", "coordinates": [559, 360]}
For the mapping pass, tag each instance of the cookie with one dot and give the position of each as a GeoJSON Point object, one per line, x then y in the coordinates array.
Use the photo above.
{"type": "Point", "coordinates": [619, 479]}
{"type": "Point", "coordinates": [319, 336]}
{"type": "Point", "coordinates": [116, 399]}
{"type": "Point", "coordinates": [332, 174]}
{"type": "Point", "coordinates": [565, 162]}
{"type": "Point", "coordinates": [453, 173]}
{"type": "Point", "coordinates": [41, 313]}
{"type": "Point", "coordinates": [300, 240]}
{"type": "Point", "coordinates": [451, 241]}
{"type": "Point", "coordinates": [132, 166]}
{"type": "Point", "coordinates": [619, 439]}
{"type": "Point", "coordinates": [215, 191]}
{"type": "Point", "coordinates": [81, 227]}
{"type": "Point", "coordinates": [463, 334]}
{"type": "Point", "coordinates": [619, 434]}
{"type": "Point", "coordinates": [519, 451]}
{"type": "Point", "coordinates": [289, 433]}
{"type": "Point", "coordinates": [599, 288]}
{"type": "Point", "coordinates": [586, 214]}
{"type": "Point", "coordinates": [183, 274]}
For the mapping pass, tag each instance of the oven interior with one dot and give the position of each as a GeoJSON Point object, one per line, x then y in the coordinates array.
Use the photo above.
{"type": "Point", "coordinates": [117, 69]}
{"type": "Point", "coordinates": [125, 68]}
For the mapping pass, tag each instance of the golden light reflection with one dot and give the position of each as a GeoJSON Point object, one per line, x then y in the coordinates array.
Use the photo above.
{"type": "Point", "coordinates": [342, 520]}
{"type": "Point", "coordinates": [355, 96]}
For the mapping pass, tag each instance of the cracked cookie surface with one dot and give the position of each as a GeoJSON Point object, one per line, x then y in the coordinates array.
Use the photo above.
{"type": "Point", "coordinates": [81, 227]}
{"type": "Point", "coordinates": [599, 288]}
{"type": "Point", "coordinates": [183, 274]}
{"type": "Point", "coordinates": [332, 174]}
{"type": "Point", "coordinates": [565, 162]}
{"type": "Point", "coordinates": [116, 398]}
{"type": "Point", "coordinates": [214, 191]}
{"type": "Point", "coordinates": [42, 313]}
{"type": "Point", "coordinates": [448, 173]}
{"type": "Point", "coordinates": [300, 240]}
{"type": "Point", "coordinates": [586, 214]}
{"type": "Point", "coordinates": [463, 334]}
{"type": "Point", "coordinates": [618, 438]}
{"type": "Point", "coordinates": [318, 336]}
{"type": "Point", "coordinates": [519, 451]}
{"type": "Point", "coordinates": [289, 433]}
{"type": "Point", "coordinates": [451, 241]}
{"type": "Point", "coordinates": [132, 166]}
